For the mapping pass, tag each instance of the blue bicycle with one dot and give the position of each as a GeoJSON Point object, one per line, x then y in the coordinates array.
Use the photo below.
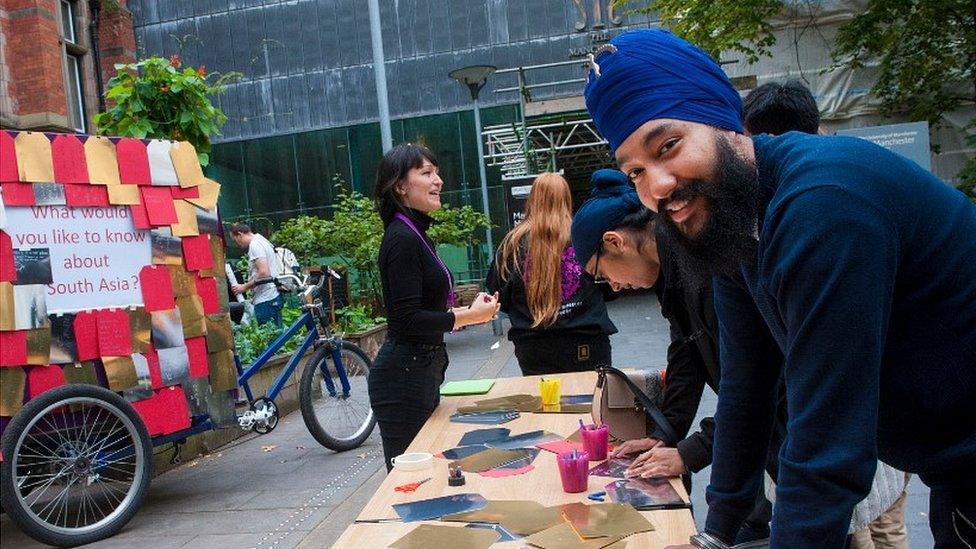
{"type": "Point", "coordinates": [332, 393]}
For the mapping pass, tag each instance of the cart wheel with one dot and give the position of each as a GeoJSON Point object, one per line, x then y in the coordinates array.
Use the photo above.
{"type": "Point", "coordinates": [77, 464]}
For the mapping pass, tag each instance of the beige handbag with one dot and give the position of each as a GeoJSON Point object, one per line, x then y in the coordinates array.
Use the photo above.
{"type": "Point", "coordinates": [619, 402]}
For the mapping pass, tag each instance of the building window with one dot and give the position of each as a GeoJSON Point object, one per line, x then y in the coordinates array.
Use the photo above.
{"type": "Point", "coordinates": [74, 53]}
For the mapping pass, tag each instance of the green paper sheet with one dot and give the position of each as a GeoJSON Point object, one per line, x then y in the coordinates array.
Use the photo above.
{"type": "Point", "coordinates": [467, 387]}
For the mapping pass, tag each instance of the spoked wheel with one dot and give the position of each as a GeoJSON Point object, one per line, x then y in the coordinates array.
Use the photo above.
{"type": "Point", "coordinates": [77, 464]}
{"type": "Point", "coordinates": [339, 420]}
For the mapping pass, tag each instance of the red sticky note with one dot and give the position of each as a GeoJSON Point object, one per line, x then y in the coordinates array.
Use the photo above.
{"type": "Point", "coordinates": [165, 412]}
{"type": "Point", "coordinates": [8, 271]}
{"type": "Point", "coordinates": [159, 205]}
{"type": "Point", "coordinates": [499, 473]}
{"type": "Point", "coordinates": [42, 378]}
{"type": "Point", "coordinates": [561, 446]}
{"type": "Point", "coordinates": [8, 159]}
{"type": "Point", "coordinates": [155, 370]}
{"type": "Point", "coordinates": [13, 348]}
{"type": "Point", "coordinates": [18, 194]}
{"type": "Point", "coordinates": [196, 252]}
{"type": "Point", "coordinates": [189, 192]}
{"type": "Point", "coordinates": [157, 289]}
{"type": "Point", "coordinates": [68, 155]}
{"type": "Point", "coordinates": [86, 195]}
{"type": "Point", "coordinates": [140, 219]}
{"type": "Point", "coordinates": [196, 349]}
{"type": "Point", "coordinates": [86, 335]}
{"type": "Point", "coordinates": [207, 290]}
{"type": "Point", "coordinates": [133, 161]}
{"type": "Point", "coordinates": [114, 338]}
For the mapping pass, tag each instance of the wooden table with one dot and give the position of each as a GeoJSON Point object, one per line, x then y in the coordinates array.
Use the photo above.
{"type": "Point", "coordinates": [541, 484]}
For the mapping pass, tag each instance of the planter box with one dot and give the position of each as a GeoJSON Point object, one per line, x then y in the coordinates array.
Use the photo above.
{"type": "Point", "coordinates": [209, 441]}
{"type": "Point", "coordinates": [369, 341]}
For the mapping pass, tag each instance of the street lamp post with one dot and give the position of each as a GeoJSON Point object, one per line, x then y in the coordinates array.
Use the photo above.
{"type": "Point", "coordinates": [474, 78]}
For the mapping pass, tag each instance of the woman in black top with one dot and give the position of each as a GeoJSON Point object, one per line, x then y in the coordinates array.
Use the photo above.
{"type": "Point", "coordinates": [418, 294]}
{"type": "Point", "coordinates": [559, 318]}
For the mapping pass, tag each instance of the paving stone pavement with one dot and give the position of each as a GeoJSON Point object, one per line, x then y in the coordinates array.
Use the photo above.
{"type": "Point", "coordinates": [283, 490]}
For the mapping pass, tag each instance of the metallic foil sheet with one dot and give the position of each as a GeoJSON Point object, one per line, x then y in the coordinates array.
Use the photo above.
{"type": "Point", "coordinates": [33, 266]}
{"type": "Point", "coordinates": [39, 346]}
{"type": "Point", "coordinates": [103, 166]}
{"type": "Point", "coordinates": [207, 221]}
{"type": "Point", "coordinates": [223, 374]}
{"type": "Point", "coordinates": [140, 327]}
{"type": "Point", "coordinates": [186, 215]}
{"type": "Point", "coordinates": [197, 391]}
{"type": "Point", "coordinates": [30, 307]}
{"type": "Point", "coordinates": [34, 160]}
{"type": "Point", "coordinates": [217, 250]}
{"type": "Point", "coordinates": [144, 389]}
{"type": "Point", "coordinates": [81, 372]}
{"type": "Point", "coordinates": [64, 348]}
{"type": "Point", "coordinates": [12, 384]}
{"type": "Point", "coordinates": [166, 248]}
{"type": "Point", "coordinates": [167, 329]}
{"type": "Point", "coordinates": [223, 293]}
{"type": "Point", "coordinates": [7, 317]}
{"type": "Point", "coordinates": [49, 194]}
{"type": "Point", "coordinates": [183, 283]}
{"type": "Point", "coordinates": [175, 365]}
{"type": "Point", "coordinates": [123, 195]}
{"type": "Point", "coordinates": [220, 406]}
{"type": "Point", "coordinates": [191, 313]}
{"type": "Point", "coordinates": [220, 333]}
{"type": "Point", "coordinates": [187, 164]}
{"type": "Point", "coordinates": [121, 372]}
{"type": "Point", "coordinates": [161, 170]}
{"type": "Point", "coordinates": [209, 191]}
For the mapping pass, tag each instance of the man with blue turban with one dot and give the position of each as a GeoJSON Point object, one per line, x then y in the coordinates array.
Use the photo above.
{"type": "Point", "coordinates": [857, 264]}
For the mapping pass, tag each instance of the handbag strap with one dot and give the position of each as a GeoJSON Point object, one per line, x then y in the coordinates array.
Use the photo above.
{"type": "Point", "coordinates": [670, 436]}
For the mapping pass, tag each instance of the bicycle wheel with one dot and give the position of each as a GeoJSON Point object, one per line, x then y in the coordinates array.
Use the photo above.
{"type": "Point", "coordinates": [77, 465]}
{"type": "Point", "coordinates": [337, 420]}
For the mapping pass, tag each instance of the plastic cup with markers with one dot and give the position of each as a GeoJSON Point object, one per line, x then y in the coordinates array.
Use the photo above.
{"type": "Point", "coordinates": [574, 471]}
{"type": "Point", "coordinates": [596, 440]}
{"type": "Point", "coordinates": [549, 390]}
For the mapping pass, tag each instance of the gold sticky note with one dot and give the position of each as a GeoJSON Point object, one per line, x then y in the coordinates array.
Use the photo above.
{"type": "Point", "coordinates": [496, 511]}
{"type": "Point", "coordinates": [7, 316]}
{"type": "Point", "coordinates": [12, 383]}
{"type": "Point", "coordinates": [209, 191]}
{"type": "Point", "coordinates": [187, 164]}
{"type": "Point", "coordinates": [435, 535]}
{"type": "Point", "coordinates": [140, 327]}
{"type": "Point", "coordinates": [220, 333]}
{"type": "Point", "coordinates": [530, 523]}
{"type": "Point", "coordinates": [121, 372]}
{"type": "Point", "coordinates": [103, 167]}
{"type": "Point", "coordinates": [223, 293]}
{"type": "Point", "coordinates": [223, 374]}
{"type": "Point", "coordinates": [487, 459]}
{"type": "Point", "coordinates": [606, 519]}
{"type": "Point", "coordinates": [191, 314]}
{"type": "Point", "coordinates": [562, 536]}
{"type": "Point", "coordinates": [39, 346]}
{"type": "Point", "coordinates": [183, 284]}
{"type": "Point", "coordinates": [186, 214]}
{"type": "Point", "coordinates": [34, 161]}
{"type": "Point", "coordinates": [81, 372]}
{"type": "Point", "coordinates": [217, 250]}
{"type": "Point", "coordinates": [123, 195]}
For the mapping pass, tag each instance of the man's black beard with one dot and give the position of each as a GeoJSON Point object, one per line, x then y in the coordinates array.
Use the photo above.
{"type": "Point", "coordinates": [732, 200]}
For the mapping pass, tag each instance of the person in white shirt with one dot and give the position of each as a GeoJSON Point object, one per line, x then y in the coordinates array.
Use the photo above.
{"type": "Point", "coordinates": [262, 261]}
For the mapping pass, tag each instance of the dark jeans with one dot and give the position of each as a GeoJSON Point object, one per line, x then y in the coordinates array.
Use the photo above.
{"type": "Point", "coordinates": [269, 311]}
{"type": "Point", "coordinates": [952, 517]}
{"type": "Point", "coordinates": [562, 354]}
{"type": "Point", "coordinates": [404, 390]}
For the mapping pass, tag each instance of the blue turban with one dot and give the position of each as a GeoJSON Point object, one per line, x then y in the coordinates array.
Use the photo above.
{"type": "Point", "coordinates": [611, 200]}
{"type": "Point", "coordinates": [648, 74]}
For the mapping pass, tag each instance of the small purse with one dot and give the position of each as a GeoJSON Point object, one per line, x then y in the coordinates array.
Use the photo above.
{"type": "Point", "coordinates": [621, 403]}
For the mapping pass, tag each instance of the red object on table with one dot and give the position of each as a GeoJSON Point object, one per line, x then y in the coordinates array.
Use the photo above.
{"type": "Point", "coordinates": [410, 486]}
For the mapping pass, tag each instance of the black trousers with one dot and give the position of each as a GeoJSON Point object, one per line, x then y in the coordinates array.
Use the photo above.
{"type": "Point", "coordinates": [952, 516]}
{"type": "Point", "coordinates": [557, 354]}
{"type": "Point", "coordinates": [404, 390]}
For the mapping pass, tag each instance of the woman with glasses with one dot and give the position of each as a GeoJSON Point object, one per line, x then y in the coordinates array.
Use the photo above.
{"type": "Point", "coordinates": [614, 238]}
{"type": "Point", "coordinates": [559, 318]}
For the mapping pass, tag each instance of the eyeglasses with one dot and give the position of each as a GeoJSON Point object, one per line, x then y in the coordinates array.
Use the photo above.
{"type": "Point", "coordinates": [596, 276]}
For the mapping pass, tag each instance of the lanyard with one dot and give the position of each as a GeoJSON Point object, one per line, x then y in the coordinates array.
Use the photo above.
{"type": "Point", "coordinates": [450, 279]}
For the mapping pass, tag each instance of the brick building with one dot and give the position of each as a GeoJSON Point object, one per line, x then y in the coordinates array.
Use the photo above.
{"type": "Point", "coordinates": [56, 56]}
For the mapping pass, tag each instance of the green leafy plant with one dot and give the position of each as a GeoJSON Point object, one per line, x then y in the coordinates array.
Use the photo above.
{"type": "Point", "coordinates": [458, 226]}
{"type": "Point", "coordinates": [161, 99]}
{"type": "Point", "coordinates": [355, 319]}
{"type": "Point", "coordinates": [251, 338]}
{"type": "Point", "coordinates": [354, 235]}
{"type": "Point", "coordinates": [305, 236]}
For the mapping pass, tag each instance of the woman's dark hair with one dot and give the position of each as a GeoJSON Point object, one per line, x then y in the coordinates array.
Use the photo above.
{"type": "Point", "coordinates": [393, 169]}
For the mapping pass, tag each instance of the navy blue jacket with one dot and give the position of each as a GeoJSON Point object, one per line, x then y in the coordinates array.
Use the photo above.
{"type": "Point", "coordinates": [865, 279]}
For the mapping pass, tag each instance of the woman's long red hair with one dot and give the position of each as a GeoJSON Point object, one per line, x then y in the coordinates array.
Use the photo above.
{"type": "Point", "coordinates": [545, 229]}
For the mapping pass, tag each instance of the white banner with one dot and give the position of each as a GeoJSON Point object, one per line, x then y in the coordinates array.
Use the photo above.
{"type": "Point", "coordinates": [92, 260]}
